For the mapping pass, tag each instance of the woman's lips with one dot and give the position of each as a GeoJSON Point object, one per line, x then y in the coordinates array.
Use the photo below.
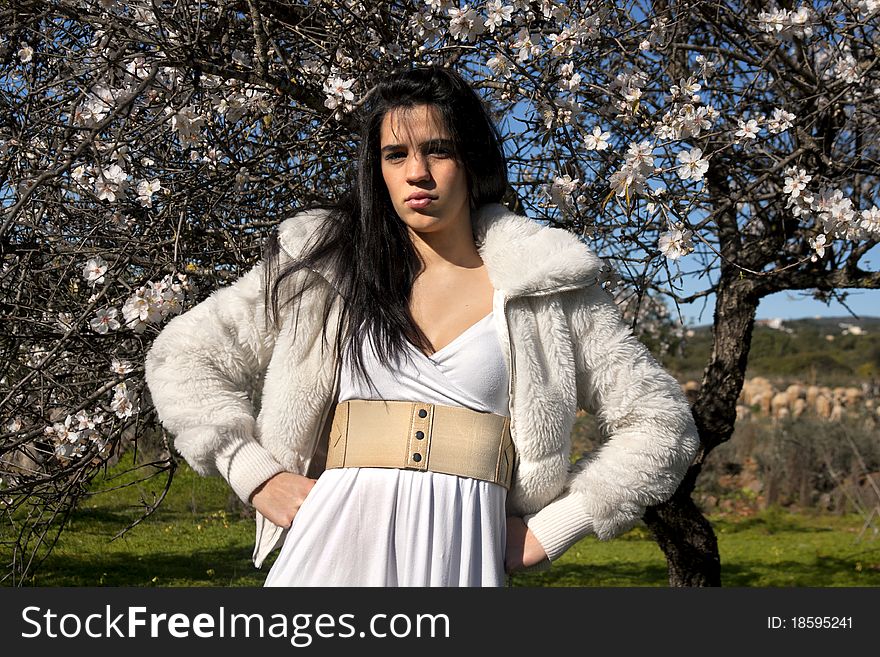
{"type": "Point", "coordinates": [419, 202]}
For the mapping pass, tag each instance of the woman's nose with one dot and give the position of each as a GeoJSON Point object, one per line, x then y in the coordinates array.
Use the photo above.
{"type": "Point", "coordinates": [417, 169]}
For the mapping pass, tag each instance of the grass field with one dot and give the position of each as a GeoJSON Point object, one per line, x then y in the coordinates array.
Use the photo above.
{"type": "Point", "coordinates": [200, 537]}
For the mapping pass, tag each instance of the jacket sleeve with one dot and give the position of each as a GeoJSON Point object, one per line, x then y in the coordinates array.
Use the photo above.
{"type": "Point", "coordinates": [645, 416]}
{"type": "Point", "coordinates": [204, 371]}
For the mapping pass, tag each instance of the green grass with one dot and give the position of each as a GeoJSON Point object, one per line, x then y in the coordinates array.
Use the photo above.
{"type": "Point", "coordinates": [773, 548]}
{"type": "Point", "coordinates": [200, 537]}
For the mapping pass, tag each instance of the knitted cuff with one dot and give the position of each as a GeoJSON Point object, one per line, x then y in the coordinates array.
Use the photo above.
{"type": "Point", "coordinates": [246, 464]}
{"type": "Point", "coordinates": [560, 524]}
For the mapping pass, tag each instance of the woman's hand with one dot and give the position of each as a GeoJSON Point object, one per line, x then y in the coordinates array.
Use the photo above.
{"type": "Point", "coordinates": [278, 499]}
{"type": "Point", "coordinates": [523, 549]}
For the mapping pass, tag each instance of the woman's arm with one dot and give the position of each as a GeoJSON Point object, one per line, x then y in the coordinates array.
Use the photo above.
{"type": "Point", "coordinates": [204, 371]}
{"type": "Point", "coordinates": [641, 408]}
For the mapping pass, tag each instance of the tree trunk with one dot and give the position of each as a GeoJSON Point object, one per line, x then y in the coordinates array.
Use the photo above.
{"type": "Point", "coordinates": [687, 540]}
{"type": "Point", "coordinates": [715, 408]}
{"type": "Point", "coordinates": [679, 527]}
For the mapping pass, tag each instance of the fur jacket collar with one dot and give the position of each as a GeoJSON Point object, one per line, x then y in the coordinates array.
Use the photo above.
{"type": "Point", "coordinates": [522, 257]}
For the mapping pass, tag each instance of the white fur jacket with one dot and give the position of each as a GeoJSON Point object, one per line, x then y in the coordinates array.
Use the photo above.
{"type": "Point", "coordinates": [248, 403]}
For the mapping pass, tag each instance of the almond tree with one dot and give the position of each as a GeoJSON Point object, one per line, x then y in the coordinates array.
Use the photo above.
{"type": "Point", "coordinates": [148, 148]}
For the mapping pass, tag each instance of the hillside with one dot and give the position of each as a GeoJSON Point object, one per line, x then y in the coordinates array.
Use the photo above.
{"type": "Point", "coordinates": [827, 350]}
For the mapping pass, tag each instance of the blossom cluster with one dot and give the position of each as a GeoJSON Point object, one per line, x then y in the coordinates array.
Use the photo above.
{"type": "Point", "coordinates": [831, 211]}
{"type": "Point", "coordinates": [77, 436]}
{"type": "Point", "coordinates": [788, 23]}
{"type": "Point", "coordinates": [149, 304]}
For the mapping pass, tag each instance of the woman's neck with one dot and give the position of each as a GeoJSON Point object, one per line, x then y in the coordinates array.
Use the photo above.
{"type": "Point", "coordinates": [450, 248]}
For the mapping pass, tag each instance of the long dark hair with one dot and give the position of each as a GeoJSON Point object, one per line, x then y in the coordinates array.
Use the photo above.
{"type": "Point", "coordinates": [363, 247]}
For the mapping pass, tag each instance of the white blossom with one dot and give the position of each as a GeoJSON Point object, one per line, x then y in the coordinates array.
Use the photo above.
{"type": "Point", "coordinates": [870, 222]}
{"type": "Point", "coordinates": [786, 24]}
{"type": "Point", "coordinates": [846, 68]}
{"type": "Point", "coordinates": [685, 89]}
{"type": "Point", "coordinates": [627, 181]}
{"type": "Point", "coordinates": [81, 174]}
{"type": "Point", "coordinates": [188, 124]}
{"type": "Point", "coordinates": [465, 23]}
{"type": "Point", "coordinates": [105, 320]}
{"type": "Point", "coordinates": [119, 219]}
{"type": "Point", "coordinates": [496, 13]}
{"type": "Point", "coordinates": [146, 189]}
{"type": "Point", "coordinates": [639, 157]}
{"type": "Point", "coordinates": [65, 321]}
{"type": "Point", "coordinates": [676, 243]}
{"type": "Point", "coordinates": [867, 7]}
{"type": "Point", "coordinates": [525, 47]}
{"type": "Point", "coordinates": [25, 53]}
{"type": "Point", "coordinates": [94, 270]}
{"type": "Point", "coordinates": [98, 104]}
{"type": "Point", "coordinates": [693, 120]}
{"type": "Point", "coordinates": [707, 66]}
{"type": "Point", "coordinates": [437, 5]}
{"type": "Point", "coordinates": [747, 129]}
{"type": "Point", "coordinates": [562, 43]}
{"type": "Point", "coordinates": [773, 21]}
{"type": "Point", "coordinates": [124, 402]}
{"type": "Point", "coordinates": [338, 92]}
{"type": "Point", "coordinates": [562, 190]}
{"type": "Point", "coordinates": [138, 68]}
{"type": "Point", "coordinates": [693, 165]}
{"type": "Point", "coordinates": [800, 199]}
{"type": "Point", "coordinates": [62, 432]}
{"type": "Point", "coordinates": [500, 65]}
{"type": "Point", "coordinates": [597, 140]}
{"type": "Point", "coordinates": [836, 214]}
{"type": "Point", "coordinates": [105, 190]}
{"type": "Point", "coordinates": [800, 22]}
{"type": "Point", "coordinates": [818, 245]}
{"type": "Point", "coordinates": [111, 183]}
{"type": "Point", "coordinates": [122, 367]}
{"type": "Point", "coordinates": [151, 303]}
{"type": "Point", "coordinates": [571, 81]}
{"type": "Point", "coordinates": [796, 180]}
{"type": "Point", "coordinates": [780, 121]}
{"type": "Point", "coordinates": [86, 421]}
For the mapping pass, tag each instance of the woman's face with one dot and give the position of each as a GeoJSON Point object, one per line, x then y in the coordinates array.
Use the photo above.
{"type": "Point", "coordinates": [427, 185]}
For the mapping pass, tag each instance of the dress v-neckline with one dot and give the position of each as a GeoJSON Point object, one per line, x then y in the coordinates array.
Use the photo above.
{"type": "Point", "coordinates": [458, 338]}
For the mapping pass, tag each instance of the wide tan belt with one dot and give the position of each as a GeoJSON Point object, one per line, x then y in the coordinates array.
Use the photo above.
{"type": "Point", "coordinates": [420, 436]}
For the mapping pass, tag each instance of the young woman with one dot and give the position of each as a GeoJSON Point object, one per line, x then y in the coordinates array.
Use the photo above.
{"type": "Point", "coordinates": [393, 387]}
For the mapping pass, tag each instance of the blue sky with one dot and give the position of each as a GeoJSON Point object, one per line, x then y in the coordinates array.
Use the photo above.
{"type": "Point", "coordinates": [796, 304]}
{"type": "Point", "coordinates": [788, 305]}
{"type": "Point", "coordinates": [793, 305]}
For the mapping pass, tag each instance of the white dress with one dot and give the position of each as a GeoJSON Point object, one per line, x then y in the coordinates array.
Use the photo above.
{"type": "Point", "coordinates": [395, 527]}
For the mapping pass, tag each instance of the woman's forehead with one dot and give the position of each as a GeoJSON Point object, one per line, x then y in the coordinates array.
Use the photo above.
{"type": "Point", "coordinates": [416, 124]}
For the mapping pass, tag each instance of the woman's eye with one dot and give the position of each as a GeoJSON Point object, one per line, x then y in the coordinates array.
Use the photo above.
{"type": "Point", "coordinates": [440, 151]}
{"type": "Point", "coordinates": [393, 156]}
